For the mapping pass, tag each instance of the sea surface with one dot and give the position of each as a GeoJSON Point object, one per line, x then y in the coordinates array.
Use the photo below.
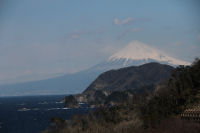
{"type": "Point", "coordinates": [32, 114]}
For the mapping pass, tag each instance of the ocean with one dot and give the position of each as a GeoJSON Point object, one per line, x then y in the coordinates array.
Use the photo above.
{"type": "Point", "coordinates": [32, 114]}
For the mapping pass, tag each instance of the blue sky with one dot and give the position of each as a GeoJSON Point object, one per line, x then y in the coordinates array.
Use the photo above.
{"type": "Point", "coordinates": [45, 38]}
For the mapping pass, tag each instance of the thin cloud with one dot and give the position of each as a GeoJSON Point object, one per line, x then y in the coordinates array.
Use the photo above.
{"type": "Point", "coordinates": [129, 20]}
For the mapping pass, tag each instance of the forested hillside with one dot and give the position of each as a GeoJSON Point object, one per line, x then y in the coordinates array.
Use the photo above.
{"type": "Point", "coordinates": [150, 113]}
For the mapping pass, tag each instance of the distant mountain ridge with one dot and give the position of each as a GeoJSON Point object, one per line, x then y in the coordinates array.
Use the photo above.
{"type": "Point", "coordinates": [66, 84]}
{"type": "Point", "coordinates": [135, 54]}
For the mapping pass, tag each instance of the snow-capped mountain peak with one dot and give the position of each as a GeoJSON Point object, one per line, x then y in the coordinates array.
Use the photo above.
{"type": "Point", "coordinates": [139, 51]}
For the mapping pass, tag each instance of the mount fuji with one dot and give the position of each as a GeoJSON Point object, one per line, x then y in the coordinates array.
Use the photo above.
{"type": "Point", "coordinates": [137, 53]}
{"type": "Point", "coordinates": [134, 54]}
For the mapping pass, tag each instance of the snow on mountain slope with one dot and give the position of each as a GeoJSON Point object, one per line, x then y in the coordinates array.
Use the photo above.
{"type": "Point", "coordinates": [139, 51]}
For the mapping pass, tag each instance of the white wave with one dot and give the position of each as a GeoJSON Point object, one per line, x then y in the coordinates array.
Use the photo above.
{"type": "Point", "coordinates": [65, 108]}
{"type": "Point", "coordinates": [53, 109]}
{"type": "Point", "coordinates": [24, 109]}
{"type": "Point", "coordinates": [57, 109]}
{"type": "Point", "coordinates": [59, 102]}
{"type": "Point", "coordinates": [27, 109]}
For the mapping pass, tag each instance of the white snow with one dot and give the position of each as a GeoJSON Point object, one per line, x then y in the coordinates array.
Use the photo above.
{"type": "Point", "coordinates": [139, 51]}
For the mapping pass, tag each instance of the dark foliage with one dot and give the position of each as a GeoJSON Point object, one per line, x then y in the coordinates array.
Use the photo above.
{"type": "Point", "coordinates": [70, 101]}
{"type": "Point", "coordinates": [99, 97]}
{"type": "Point", "coordinates": [145, 113]}
{"type": "Point", "coordinates": [131, 77]}
{"type": "Point", "coordinates": [181, 91]}
{"type": "Point", "coordinates": [117, 97]}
